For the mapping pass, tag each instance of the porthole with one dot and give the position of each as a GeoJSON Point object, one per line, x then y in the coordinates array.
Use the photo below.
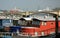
{"type": "Point", "coordinates": [51, 23]}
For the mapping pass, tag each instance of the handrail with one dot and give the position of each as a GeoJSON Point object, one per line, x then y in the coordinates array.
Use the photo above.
{"type": "Point", "coordinates": [21, 33]}
{"type": "Point", "coordinates": [44, 31]}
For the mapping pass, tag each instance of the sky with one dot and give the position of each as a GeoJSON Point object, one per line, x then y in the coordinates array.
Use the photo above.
{"type": "Point", "coordinates": [28, 4]}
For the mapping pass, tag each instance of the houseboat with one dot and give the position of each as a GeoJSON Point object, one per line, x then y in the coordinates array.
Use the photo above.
{"type": "Point", "coordinates": [38, 25]}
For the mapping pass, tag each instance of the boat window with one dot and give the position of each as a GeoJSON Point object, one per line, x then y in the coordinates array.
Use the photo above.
{"type": "Point", "coordinates": [7, 21]}
{"type": "Point", "coordinates": [15, 22]}
{"type": "Point", "coordinates": [44, 23]}
{"type": "Point", "coordinates": [29, 23]}
{"type": "Point", "coordinates": [52, 23]}
{"type": "Point", "coordinates": [22, 22]}
{"type": "Point", "coordinates": [35, 22]}
{"type": "Point", "coordinates": [42, 33]}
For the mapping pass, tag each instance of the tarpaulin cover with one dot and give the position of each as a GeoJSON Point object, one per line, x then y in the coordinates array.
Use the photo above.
{"type": "Point", "coordinates": [14, 28]}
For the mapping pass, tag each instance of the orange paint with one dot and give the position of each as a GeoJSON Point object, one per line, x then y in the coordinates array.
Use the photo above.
{"type": "Point", "coordinates": [47, 29]}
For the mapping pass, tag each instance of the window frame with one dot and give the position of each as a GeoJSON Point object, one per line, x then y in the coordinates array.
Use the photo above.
{"type": "Point", "coordinates": [44, 23]}
{"type": "Point", "coordinates": [35, 23]}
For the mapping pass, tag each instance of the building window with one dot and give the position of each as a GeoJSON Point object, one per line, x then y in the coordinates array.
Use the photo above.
{"type": "Point", "coordinates": [43, 23]}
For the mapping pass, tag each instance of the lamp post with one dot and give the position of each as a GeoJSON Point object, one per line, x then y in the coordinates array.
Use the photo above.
{"type": "Point", "coordinates": [58, 14]}
{"type": "Point", "coordinates": [56, 26]}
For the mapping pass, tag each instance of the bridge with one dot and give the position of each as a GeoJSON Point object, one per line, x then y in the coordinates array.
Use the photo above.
{"type": "Point", "coordinates": [18, 15]}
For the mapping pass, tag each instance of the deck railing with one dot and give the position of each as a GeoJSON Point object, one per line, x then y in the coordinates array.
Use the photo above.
{"type": "Point", "coordinates": [22, 33]}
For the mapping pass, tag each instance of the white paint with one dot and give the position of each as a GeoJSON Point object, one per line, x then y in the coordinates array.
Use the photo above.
{"type": "Point", "coordinates": [42, 33]}
{"type": "Point", "coordinates": [28, 18]}
{"type": "Point", "coordinates": [30, 27]}
{"type": "Point", "coordinates": [17, 32]}
{"type": "Point", "coordinates": [36, 33]}
{"type": "Point", "coordinates": [10, 20]}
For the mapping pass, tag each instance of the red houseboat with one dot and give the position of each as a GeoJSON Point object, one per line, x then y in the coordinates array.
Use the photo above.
{"type": "Point", "coordinates": [38, 25]}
